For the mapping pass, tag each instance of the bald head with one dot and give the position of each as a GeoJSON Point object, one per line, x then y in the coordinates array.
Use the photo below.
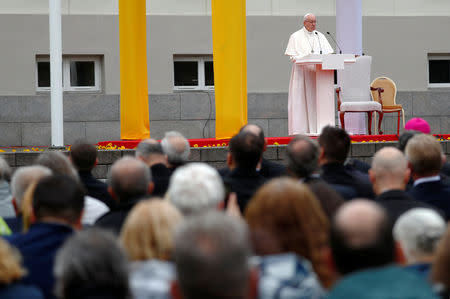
{"type": "Point", "coordinates": [361, 236]}
{"type": "Point", "coordinates": [129, 179]}
{"type": "Point", "coordinates": [389, 170]}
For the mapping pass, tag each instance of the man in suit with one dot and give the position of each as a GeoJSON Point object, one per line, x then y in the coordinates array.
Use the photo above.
{"type": "Point", "coordinates": [266, 168]}
{"type": "Point", "coordinates": [129, 182]}
{"type": "Point", "coordinates": [83, 156]}
{"type": "Point", "coordinates": [23, 177]}
{"type": "Point", "coordinates": [244, 154]}
{"type": "Point", "coordinates": [151, 153]}
{"type": "Point", "coordinates": [58, 203]}
{"type": "Point", "coordinates": [334, 148]}
{"type": "Point", "coordinates": [425, 157]}
{"type": "Point", "coordinates": [389, 175]}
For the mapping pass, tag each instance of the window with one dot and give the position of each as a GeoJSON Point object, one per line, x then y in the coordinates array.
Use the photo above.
{"type": "Point", "coordinates": [438, 70]}
{"type": "Point", "coordinates": [79, 73]}
{"type": "Point", "coordinates": [193, 72]}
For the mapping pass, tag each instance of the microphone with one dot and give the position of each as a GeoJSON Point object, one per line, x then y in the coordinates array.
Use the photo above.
{"type": "Point", "coordinates": [318, 38]}
{"type": "Point", "coordinates": [340, 51]}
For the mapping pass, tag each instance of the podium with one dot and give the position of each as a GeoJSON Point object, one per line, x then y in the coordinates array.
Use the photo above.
{"type": "Point", "coordinates": [324, 81]}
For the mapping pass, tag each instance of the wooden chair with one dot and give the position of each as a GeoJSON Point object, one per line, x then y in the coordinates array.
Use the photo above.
{"type": "Point", "coordinates": [384, 91]}
{"type": "Point", "coordinates": [354, 94]}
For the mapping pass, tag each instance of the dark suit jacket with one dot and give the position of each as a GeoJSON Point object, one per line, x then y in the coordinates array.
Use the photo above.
{"type": "Point", "coordinates": [244, 182]}
{"type": "Point", "coordinates": [38, 248]}
{"type": "Point", "coordinates": [435, 193]}
{"type": "Point", "coordinates": [114, 219]}
{"type": "Point", "coordinates": [340, 175]}
{"type": "Point", "coordinates": [161, 178]}
{"type": "Point", "coordinates": [96, 188]}
{"type": "Point", "coordinates": [15, 223]}
{"type": "Point", "coordinates": [396, 202]}
{"type": "Point", "coordinates": [270, 169]}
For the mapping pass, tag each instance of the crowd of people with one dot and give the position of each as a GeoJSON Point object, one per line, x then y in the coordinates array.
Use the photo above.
{"type": "Point", "coordinates": [321, 226]}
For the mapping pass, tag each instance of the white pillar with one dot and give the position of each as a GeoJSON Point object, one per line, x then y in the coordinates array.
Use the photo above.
{"type": "Point", "coordinates": [57, 121]}
{"type": "Point", "coordinates": [349, 38]}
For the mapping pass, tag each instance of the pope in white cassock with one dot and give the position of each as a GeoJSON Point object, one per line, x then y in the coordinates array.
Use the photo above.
{"type": "Point", "coordinates": [302, 102]}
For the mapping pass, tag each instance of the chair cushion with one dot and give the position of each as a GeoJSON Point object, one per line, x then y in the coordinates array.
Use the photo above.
{"type": "Point", "coordinates": [360, 106]}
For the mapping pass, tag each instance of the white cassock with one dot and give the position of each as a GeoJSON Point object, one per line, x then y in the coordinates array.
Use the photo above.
{"type": "Point", "coordinates": [302, 102]}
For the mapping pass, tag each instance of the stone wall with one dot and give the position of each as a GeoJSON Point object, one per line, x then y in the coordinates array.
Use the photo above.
{"type": "Point", "coordinates": [215, 157]}
{"type": "Point", "coordinates": [25, 120]}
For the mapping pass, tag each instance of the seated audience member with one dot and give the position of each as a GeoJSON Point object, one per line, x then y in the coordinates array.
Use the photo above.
{"type": "Point", "coordinates": [129, 181]}
{"type": "Point", "coordinates": [6, 207]}
{"type": "Point", "coordinates": [147, 237]}
{"type": "Point", "coordinates": [59, 164]}
{"type": "Point", "coordinates": [363, 251]}
{"type": "Point", "coordinates": [177, 149]}
{"type": "Point", "coordinates": [196, 187]}
{"type": "Point", "coordinates": [151, 153]}
{"type": "Point", "coordinates": [244, 154]}
{"type": "Point", "coordinates": [440, 269]}
{"type": "Point", "coordinates": [425, 157]}
{"type": "Point", "coordinates": [84, 158]}
{"type": "Point", "coordinates": [290, 213]}
{"type": "Point", "coordinates": [418, 231]}
{"type": "Point", "coordinates": [217, 246]}
{"type": "Point", "coordinates": [23, 178]}
{"type": "Point", "coordinates": [11, 271]}
{"type": "Point", "coordinates": [91, 265]}
{"type": "Point", "coordinates": [57, 209]}
{"type": "Point", "coordinates": [389, 175]}
{"type": "Point", "coordinates": [267, 168]}
{"type": "Point", "coordinates": [334, 148]}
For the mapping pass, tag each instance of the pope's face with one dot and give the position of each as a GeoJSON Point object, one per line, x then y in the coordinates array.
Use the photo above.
{"type": "Point", "coordinates": [310, 23]}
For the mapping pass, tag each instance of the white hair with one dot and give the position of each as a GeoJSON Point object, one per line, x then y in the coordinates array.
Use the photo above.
{"type": "Point", "coordinates": [418, 231]}
{"type": "Point", "coordinates": [176, 147]}
{"type": "Point", "coordinates": [195, 187]}
{"type": "Point", "coordinates": [23, 177]}
{"type": "Point", "coordinates": [307, 15]}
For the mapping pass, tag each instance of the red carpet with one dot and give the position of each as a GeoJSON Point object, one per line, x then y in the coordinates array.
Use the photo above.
{"type": "Point", "coordinates": [212, 142]}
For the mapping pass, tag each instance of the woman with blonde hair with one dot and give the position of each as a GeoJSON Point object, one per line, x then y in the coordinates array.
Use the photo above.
{"type": "Point", "coordinates": [290, 213]}
{"type": "Point", "coordinates": [147, 237]}
{"type": "Point", "coordinates": [11, 272]}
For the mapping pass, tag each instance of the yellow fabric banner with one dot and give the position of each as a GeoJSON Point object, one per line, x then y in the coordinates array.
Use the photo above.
{"type": "Point", "coordinates": [134, 115]}
{"type": "Point", "coordinates": [230, 65]}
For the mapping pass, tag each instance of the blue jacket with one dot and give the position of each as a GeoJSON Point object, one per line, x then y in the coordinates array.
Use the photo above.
{"type": "Point", "coordinates": [38, 248]}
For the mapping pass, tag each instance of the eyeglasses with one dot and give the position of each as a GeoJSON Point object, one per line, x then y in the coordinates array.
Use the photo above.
{"type": "Point", "coordinates": [312, 22]}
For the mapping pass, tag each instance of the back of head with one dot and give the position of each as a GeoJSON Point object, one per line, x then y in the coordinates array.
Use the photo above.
{"type": "Point", "coordinates": [389, 163]}
{"type": "Point", "coordinates": [5, 170]}
{"type": "Point", "coordinates": [58, 163]}
{"type": "Point", "coordinates": [217, 246]}
{"type": "Point", "coordinates": [302, 156]}
{"type": "Point", "coordinates": [146, 148]}
{"type": "Point", "coordinates": [404, 138]}
{"type": "Point", "coordinates": [195, 187]}
{"type": "Point", "coordinates": [418, 124]}
{"type": "Point", "coordinates": [440, 271]}
{"type": "Point", "coordinates": [83, 155]}
{"type": "Point", "coordinates": [424, 153]}
{"type": "Point", "coordinates": [129, 178]}
{"type": "Point", "coordinates": [246, 150]}
{"type": "Point", "coordinates": [25, 176]}
{"type": "Point", "coordinates": [176, 147]}
{"type": "Point", "coordinates": [290, 212]}
{"type": "Point", "coordinates": [58, 197]}
{"type": "Point", "coordinates": [335, 143]}
{"type": "Point", "coordinates": [255, 129]}
{"type": "Point", "coordinates": [91, 265]}
{"type": "Point", "coordinates": [148, 230]}
{"type": "Point", "coordinates": [361, 237]}
{"type": "Point", "coordinates": [418, 231]}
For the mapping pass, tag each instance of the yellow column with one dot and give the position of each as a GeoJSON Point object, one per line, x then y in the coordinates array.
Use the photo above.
{"type": "Point", "coordinates": [134, 116]}
{"type": "Point", "coordinates": [230, 65]}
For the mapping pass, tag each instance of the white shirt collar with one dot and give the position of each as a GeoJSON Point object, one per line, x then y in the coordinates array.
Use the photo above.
{"type": "Point", "coordinates": [435, 178]}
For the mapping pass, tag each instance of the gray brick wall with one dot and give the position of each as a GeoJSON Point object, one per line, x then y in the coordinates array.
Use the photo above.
{"type": "Point", "coordinates": [25, 120]}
